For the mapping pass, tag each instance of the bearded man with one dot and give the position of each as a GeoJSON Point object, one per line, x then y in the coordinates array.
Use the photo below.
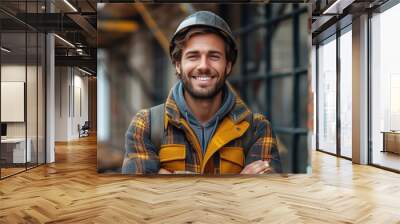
{"type": "Point", "coordinates": [203, 127]}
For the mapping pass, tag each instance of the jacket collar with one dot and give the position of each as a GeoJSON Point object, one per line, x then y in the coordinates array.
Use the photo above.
{"type": "Point", "coordinates": [238, 113]}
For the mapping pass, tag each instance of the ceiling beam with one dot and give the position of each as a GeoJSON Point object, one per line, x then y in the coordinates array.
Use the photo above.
{"type": "Point", "coordinates": [84, 24]}
{"type": "Point", "coordinates": [81, 61]}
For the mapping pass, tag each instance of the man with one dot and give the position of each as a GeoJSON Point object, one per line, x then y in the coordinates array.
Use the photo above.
{"type": "Point", "coordinates": [207, 128]}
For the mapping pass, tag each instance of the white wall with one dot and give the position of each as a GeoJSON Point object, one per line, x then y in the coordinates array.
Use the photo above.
{"type": "Point", "coordinates": [61, 103]}
{"type": "Point", "coordinates": [71, 94]}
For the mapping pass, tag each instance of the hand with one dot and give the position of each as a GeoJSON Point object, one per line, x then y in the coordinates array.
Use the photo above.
{"type": "Point", "coordinates": [184, 172]}
{"type": "Point", "coordinates": [164, 171]}
{"type": "Point", "coordinates": [257, 167]}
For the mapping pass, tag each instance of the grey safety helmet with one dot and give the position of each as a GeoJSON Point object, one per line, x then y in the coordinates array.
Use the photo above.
{"type": "Point", "coordinates": [209, 19]}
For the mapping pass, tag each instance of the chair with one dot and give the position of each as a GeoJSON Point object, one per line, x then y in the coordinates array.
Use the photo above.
{"type": "Point", "coordinates": [84, 130]}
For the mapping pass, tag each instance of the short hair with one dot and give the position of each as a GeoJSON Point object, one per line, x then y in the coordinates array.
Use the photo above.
{"type": "Point", "coordinates": [181, 39]}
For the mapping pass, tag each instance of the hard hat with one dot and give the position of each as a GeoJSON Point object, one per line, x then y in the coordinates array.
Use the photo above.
{"type": "Point", "coordinates": [205, 18]}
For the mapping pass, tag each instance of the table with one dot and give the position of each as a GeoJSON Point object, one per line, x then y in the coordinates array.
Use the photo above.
{"type": "Point", "coordinates": [391, 141]}
{"type": "Point", "coordinates": [13, 150]}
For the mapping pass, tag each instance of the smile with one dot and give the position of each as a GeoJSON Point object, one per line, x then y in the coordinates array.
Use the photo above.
{"type": "Point", "coordinates": [202, 78]}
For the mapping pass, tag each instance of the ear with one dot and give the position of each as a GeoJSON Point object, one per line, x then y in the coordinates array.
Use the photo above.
{"type": "Point", "coordinates": [228, 68]}
{"type": "Point", "coordinates": [178, 68]}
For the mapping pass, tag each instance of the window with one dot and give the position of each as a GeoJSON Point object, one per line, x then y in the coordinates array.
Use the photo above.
{"type": "Point", "coordinates": [385, 89]}
{"type": "Point", "coordinates": [273, 77]}
{"type": "Point", "coordinates": [334, 94]}
{"type": "Point", "coordinates": [327, 95]}
{"type": "Point", "coordinates": [346, 93]}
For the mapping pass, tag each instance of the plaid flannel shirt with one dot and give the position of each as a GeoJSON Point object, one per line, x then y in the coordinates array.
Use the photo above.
{"type": "Point", "coordinates": [180, 150]}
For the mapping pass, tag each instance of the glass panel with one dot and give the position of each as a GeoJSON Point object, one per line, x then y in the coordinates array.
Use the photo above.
{"type": "Point", "coordinates": [327, 96]}
{"type": "Point", "coordinates": [305, 38]}
{"type": "Point", "coordinates": [282, 47]}
{"type": "Point", "coordinates": [258, 104]}
{"type": "Point", "coordinates": [282, 101]}
{"type": "Point", "coordinates": [303, 99]}
{"type": "Point", "coordinates": [23, 86]}
{"type": "Point", "coordinates": [345, 94]}
{"type": "Point", "coordinates": [31, 98]}
{"type": "Point", "coordinates": [13, 87]}
{"type": "Point", "coordinates": [41, 99]}
{"type": "Point", "coordinates": [385, 86]}
{"type": "Point", "coordinates": [255, 41]}
{"type": "Point", "coordinates": [303, 162]}
{"type": "Point", "coordinates": [31, 86]}
{"type": "Point", "coordinates": [314, 93]}
{"type": "Point", "coordinates": [285, 143]}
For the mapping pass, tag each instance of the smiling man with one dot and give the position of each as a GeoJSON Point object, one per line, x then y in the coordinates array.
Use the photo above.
{"type": "Point", "coordinates": [204, 127]}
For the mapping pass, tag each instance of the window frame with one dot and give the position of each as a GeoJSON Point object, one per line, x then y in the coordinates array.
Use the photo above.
{"type": "Point", "coordinates": [336, 36]}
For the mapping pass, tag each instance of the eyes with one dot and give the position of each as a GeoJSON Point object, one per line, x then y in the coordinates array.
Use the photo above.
{"type": "Point", "coordinates": [196, 56]}
{"type": "Point", "coordinates": [215, 57]}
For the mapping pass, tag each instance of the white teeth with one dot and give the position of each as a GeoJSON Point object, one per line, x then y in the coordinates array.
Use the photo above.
{"type": "Point", "coordinates": [202, 78]}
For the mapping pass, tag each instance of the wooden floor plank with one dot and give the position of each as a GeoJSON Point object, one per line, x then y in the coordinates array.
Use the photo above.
{"type": "Point", "coordinates": [70, 191]}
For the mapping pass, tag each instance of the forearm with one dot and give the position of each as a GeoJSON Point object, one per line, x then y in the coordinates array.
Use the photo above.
{"type": "Point", "coordinates": [265, 147]}
{"type": "Point", "coordinates": [140, 154]}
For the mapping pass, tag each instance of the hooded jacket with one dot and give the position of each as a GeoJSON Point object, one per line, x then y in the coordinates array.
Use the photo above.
{"type": "Point", "coordinates": [181, 150]}
{"type": "Point", "coordinates": [203, 132]}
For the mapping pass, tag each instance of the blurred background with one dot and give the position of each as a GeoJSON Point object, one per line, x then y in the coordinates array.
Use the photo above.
{"type": "Point", "coordinates": [272, 72]}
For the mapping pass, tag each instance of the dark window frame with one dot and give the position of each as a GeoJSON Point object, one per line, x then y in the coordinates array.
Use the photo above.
{"type": "Point", "coordinates": [333, 37]}
{"type": "Point", "coordinates": [269, 77]}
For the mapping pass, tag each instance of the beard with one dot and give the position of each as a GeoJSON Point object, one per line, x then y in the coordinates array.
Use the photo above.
{"type": "Point", "coordinates": [203, 94]}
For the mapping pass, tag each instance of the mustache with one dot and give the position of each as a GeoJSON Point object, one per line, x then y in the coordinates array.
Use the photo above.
{"type": "Point", "coordinates": [209, 73]}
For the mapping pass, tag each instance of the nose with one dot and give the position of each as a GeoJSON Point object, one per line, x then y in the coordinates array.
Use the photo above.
{"type": "Point", "coordinates": [203, 66]}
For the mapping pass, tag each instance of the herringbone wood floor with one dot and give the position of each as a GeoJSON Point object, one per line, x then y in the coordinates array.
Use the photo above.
{"type": "Point", "coordinates": [70, 191]}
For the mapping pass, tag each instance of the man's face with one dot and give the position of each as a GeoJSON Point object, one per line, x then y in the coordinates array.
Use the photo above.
{"type": "Point", "coordinates": [203, 67]}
